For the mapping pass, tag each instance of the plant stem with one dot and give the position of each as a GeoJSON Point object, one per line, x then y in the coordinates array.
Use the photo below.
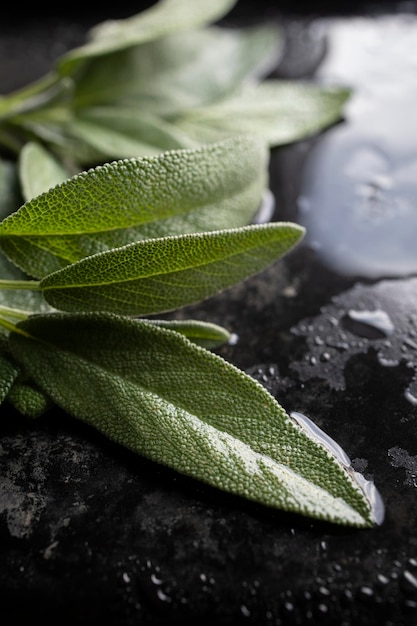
{"type": "Point", "coordinates": [32, 285]}
{"type": "Point", "coordinates": [18, 314]}
{"type": "Point", "coordinates": [12, 327]}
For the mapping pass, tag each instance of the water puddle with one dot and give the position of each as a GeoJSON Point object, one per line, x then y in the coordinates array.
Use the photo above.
{"type": "Point", "coordinates": [382, 316]}
{"type": "Point", "coordinates": [358, 197]}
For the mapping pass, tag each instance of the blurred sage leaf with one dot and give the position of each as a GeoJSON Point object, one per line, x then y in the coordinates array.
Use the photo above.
{"type": "Point", "coordinates": [180, 72]}
{"type": "Point", "coordinates": [279, 111]}
{"type": "Point", "coordinates": [161, 19]}
{"type": "Point", "coordinates": [39, 170]}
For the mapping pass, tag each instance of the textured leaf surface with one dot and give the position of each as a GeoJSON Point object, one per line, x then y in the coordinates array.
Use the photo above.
{"type": "Point", "coordinates": [9, 371]}
{"type": "Point", "coordinates": [156, 393]}
{"type": "Point", "coordinates": [158, 275]}
{"type": "Point", "coordinates": [215, 186]}
{"type": "Point", "coordinates": [28, 399]}
{"type": "Point", "coordinates": [280, 111]}
{"type": "Point", "coordinates": [165, 17]}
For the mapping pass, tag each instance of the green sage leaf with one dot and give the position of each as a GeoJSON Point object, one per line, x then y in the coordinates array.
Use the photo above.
{"type": "Point", "coordinates": [158, 275]}
{"type": "Point", "coordinates": [156, 393]}
{"type": "Point", "coordinates": [181, 71]}
{"type": "Point", "coordinates": [39, 170]}
{"type": "Point", "coordinates": [120, 133]}
{"type": "Point", "coordinates": [9, 371]}
{"type": "Point", "coordinates": [28, 399]}
{"type": "Point", "coordinates": [205, 334]}
{"type": "Point", "coordinates": [165, 17]}
{"type": "Point", "coordinates": [213, 187]}
{"type": "Point", "coordinates": [280, 111]}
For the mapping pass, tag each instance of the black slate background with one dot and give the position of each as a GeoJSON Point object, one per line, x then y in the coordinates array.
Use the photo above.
{"type": "Point", "coordinates": [90, 532]}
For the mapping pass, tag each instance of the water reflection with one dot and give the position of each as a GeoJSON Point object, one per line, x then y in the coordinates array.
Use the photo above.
{"type": "Point", "coordinates": [358, 196]}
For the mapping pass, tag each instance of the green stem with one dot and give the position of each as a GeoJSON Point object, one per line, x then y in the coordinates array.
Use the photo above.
{"type": "Point", "coordinates": [32, 285]}
{"type": "Point", "coordinates": [18, 314]}
{"type": "Point", "coordinates": [12, 327]}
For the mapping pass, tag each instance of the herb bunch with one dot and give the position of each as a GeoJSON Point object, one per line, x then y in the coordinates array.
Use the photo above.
{"type": "Point", "coordinates": [130, 180]}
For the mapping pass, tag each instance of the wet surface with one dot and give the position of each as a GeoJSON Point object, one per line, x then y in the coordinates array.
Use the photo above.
{"type": "Point", "coordinates": [91, 532]}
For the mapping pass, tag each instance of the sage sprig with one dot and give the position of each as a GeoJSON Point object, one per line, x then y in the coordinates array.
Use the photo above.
{"type": "Point", "coordinates": [152, 83]}
{"type": "Point", "coordinates": [139, 171]}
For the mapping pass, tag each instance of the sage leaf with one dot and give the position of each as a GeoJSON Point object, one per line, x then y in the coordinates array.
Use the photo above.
{"type": "Point", "coordinates": [118, 133]}
{"type": "Point", "coordinates": [156, 393]}
{"type": "Point", "coordinates": [39, 170]}
{"type": "Point", "coordinates": [28, 399]}
{"type": "Point", "coordinates": [9, 371]}
{"type": "Point", "coordinates": [181, 71]}
{"type": "Point", "coordinates": [10, 194]}
{"type": "Point", "coordinates": [212, 187]}
{"type": "Point", "coordinates": [158, 275]}
{"type": "Point", "coordinates": [165, 17]}
{"type": "Point", "coordinates": [280, 111]}
{"type": "Point", "coordinates": [205, 334]}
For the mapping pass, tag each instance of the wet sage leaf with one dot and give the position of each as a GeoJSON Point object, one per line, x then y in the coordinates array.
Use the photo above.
{"type": "Point", "coordinates": [158, 394]}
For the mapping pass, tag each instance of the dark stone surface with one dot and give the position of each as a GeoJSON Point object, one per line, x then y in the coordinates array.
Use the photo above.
{"type": "Point", "coordinates": [90, 532]}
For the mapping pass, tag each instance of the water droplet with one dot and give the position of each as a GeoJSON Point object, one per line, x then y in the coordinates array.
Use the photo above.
{"type": "Point", "coordinates": [410, 579]}
{"type": "Point", "coordinates": [319, 435]}
{"type": "Point", "coordinates": [412, 399]}
{"type": "Point", "coordinates": [369, 324]}
{"type": "Point", "coordinates": [266, 210]}
{"type": "Point", "coordinates": [156, 580]}
{"type": "Point", "coordinates": [245, 611]}
{"type": "Point", "coordinates": [368, 486]}
{"type": "Point", "coordinates": [367, 591]}
{"type": "Point", "coordinates": [162, 596]}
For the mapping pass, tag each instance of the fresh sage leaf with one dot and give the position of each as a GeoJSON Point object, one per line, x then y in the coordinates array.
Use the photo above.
{"type": "Point", "coordinates": [28, 399]}
{"type": "Point", "coordinates": [39, 170]}
{"type": "Point", "coordinates": [280, 111]}
{"type": "Point", "coordinates": [158, 275]}
{"type": "Point", "coordinates": [161, 19]}
{"type": "Point", "coordinates": [205, 334]}
{"type": "Point", "coordinates": [9, 371]}
{"type": "Point", "coordinates": [118, 133]}
{"type": "Point", "coordinates": [181, 71]}
{"type": "Point", "coordinates": [156, 393]}
{"type": "Point", "coordinates": [213, 187]}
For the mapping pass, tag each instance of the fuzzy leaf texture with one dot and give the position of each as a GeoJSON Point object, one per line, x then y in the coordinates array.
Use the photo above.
{"type": "Point", "coordinates": [213, 187]}
{"type": "Point", "coordinates": [156, 393]}
{"type": "Point", "coordinates": [158, 275]}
